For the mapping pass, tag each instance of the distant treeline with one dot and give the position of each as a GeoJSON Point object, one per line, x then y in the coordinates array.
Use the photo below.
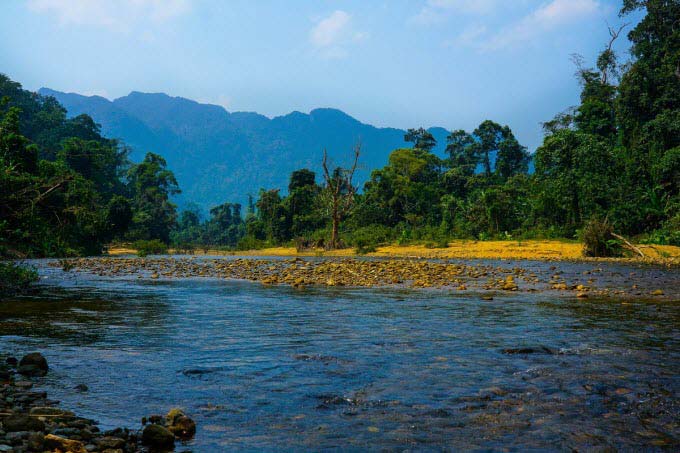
{"type": "Point", "coordinates": [613, 160]}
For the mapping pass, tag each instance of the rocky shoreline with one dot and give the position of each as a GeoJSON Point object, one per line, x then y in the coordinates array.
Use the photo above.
{"type": "Point", "coordinates": [31, 422]}
{"type": "Point", "coordinates": [484, 278]}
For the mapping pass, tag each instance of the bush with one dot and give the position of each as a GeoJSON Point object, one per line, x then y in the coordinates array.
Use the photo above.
{"type": "Point", "coordinates": [15, 279]}
{"type": "Point", "coordinates": [366, 239]}
{"type": "Point", "coordinates": [151, 247]}
{"type": "Point", "coordinates": [250, 243]}
{"type": "Point", "coordinates": [598, 240]}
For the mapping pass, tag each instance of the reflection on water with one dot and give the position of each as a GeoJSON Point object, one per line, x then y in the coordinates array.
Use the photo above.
{"type": "Point", "coordinates": [261, 368]}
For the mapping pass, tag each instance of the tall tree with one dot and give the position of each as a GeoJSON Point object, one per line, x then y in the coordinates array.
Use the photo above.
{"type": "Point", "coordinates": [152, 185]}
{"type": "Point", "coordinates": [339, 193]}
{"type": "Point", "coordinates": [421, 139]}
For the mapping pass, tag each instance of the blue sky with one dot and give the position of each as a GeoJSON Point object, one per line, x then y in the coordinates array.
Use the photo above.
{"type": "Point", "coordinates": [449, 63]}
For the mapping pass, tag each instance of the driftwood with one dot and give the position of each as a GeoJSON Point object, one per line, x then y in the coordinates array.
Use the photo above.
{"type": "Point", "coordinates": [628, 244]}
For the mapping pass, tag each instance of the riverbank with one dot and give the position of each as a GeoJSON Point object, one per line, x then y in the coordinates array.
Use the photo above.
{"type": "Point", "coordinates": [581, 280]}
{"type": "Point", "coordinates": [545, 250]}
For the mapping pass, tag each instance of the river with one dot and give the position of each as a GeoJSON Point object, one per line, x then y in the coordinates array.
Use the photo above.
{"type": "Point", "coordinates": [276, 368]}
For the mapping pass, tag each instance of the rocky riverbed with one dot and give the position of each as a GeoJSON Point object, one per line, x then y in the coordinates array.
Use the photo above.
{"type": "Point", "coordinates": [31, 422]}
{"type": "Point", "coordinates": [590, 279]}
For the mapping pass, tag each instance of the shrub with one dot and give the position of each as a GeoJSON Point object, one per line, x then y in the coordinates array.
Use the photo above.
{"type": "Point", "coordinates": [366, 239]}
{"type": "Point", "coordinates": [250, 243]}
{"type": "Point", "coordinates": [598, 240]}
{"type": "Point", "coordinates": [150, 247]}
{"type": "Point", "coordinates": [15, 279]}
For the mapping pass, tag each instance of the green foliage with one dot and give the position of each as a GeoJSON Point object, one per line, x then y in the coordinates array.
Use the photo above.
{"type": "Point", "coordinates": [150, 247]}
{"type": "Point", "coordinates": [366, 239]}
{"type": "Point", "coordinates": [66, 190]}
{"type": "Point", "coordinates": [15, 278]}
{"type": "Point", "coordinates": [152, 185]}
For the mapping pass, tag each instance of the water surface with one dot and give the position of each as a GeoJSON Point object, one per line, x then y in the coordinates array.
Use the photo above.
{"type": "Point", "coordinates": [264, 368]}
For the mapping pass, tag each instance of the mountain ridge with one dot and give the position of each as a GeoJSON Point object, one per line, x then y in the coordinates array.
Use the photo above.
{"type": "Point", "coordinates": [220, 156]}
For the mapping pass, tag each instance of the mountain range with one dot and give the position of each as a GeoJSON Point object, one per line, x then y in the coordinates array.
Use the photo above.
{"type": "Point", "coordinates": [221, 156]}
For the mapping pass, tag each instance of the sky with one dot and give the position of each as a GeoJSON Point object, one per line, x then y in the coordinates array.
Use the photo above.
{"type": "Point", "coordinates": [390, 63]}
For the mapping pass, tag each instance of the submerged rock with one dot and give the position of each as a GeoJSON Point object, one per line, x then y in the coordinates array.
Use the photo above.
{"type": "Point", "coordinates": [157, 436]}
{"type": "Point", "coordinates": [33, 364]}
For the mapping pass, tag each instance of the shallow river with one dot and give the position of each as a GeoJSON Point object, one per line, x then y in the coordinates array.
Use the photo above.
{"type": "Point", "coordinates": [273, 368]}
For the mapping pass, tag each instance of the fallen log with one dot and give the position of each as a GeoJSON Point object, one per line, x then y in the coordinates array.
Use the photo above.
{"type": "Point", "coordinates": [628, 244]}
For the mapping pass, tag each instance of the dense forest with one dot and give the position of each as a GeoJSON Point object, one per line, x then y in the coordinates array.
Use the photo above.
{"type": "Point", "coordinates": [613, 160]}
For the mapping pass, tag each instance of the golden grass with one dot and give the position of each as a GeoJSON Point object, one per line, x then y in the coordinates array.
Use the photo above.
{"type": "Point", "coordinates": [548, 250]}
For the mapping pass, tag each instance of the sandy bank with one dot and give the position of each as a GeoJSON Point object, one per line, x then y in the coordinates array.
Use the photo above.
{"type": "Point", "coordinates": [548, 250]}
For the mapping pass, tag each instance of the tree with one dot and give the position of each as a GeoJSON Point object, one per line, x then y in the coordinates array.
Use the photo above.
{"type": "Point", "coordinates": [421, 139]}
{"type": "Point", "coordinates": [461, 150]}
{"type": "Point", "coordinates": [16, 152]}
{"type": "Point", "coordinates": [301, 203]}
{"type": "Point", "coordinates": [512, 158]}
{"type": "Point", "coordinates": [152, 184]}
{"type": "Point", "coordinates": [339, 192]}
{"type": "Point", "coordinates": [489, 136]}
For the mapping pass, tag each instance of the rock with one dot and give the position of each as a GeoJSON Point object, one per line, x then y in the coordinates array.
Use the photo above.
{"type": "Point", "coordinates": [33, 364]}
{"type": "Point", "coordinates": [156, 436]}
{"type": "Point", "coordinates": [50, 412]}
{"type": "Point", "coordinates": [5, 374]}
{"type": "Point", "coordinates": [19, 422]}
{"type": "Point", "coordinates": [184, 427]}
{"type": "Point", "coordinates": [53, 442]}
{"type": "Point", "coordinates": [36, 441]}
{"type": "Point", "coordinates": [109, 442]}
{"type": "Point", "coordinates": [11, 361]}
{"type": "Point", "coordinates": [81, 388]}
{"type": "Point", "coordinates": [657, 292]}
{"type": "Point", "coordinates": [180, 425]}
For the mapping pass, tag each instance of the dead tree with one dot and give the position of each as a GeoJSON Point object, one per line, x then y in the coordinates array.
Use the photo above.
{"type": "Point", "coordinates": [339, 192]}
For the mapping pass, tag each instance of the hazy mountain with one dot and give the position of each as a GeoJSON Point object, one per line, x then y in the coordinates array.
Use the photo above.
{"type": "Point", "coordinates": [220, 156]}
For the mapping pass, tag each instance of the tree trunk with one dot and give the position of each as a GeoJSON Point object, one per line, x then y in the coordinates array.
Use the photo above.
{"type": "Point", "coordinates": [334, 233]}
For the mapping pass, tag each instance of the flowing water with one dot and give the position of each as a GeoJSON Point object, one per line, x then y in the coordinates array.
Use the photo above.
{"type": "Point", "coordinates": [274, 368]}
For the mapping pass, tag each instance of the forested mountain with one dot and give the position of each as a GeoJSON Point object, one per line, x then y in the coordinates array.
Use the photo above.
{"type": "Point", "coordinates": [218, 155]}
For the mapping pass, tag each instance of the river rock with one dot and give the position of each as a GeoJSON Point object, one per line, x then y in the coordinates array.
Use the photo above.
{"type": "Point", "coordinates": [50, 412]}
{"type": "Point", "coordinates": [53, 442]}
{"type": "Point", "coordinates": [157, 436]}
{"type": "Point", "coordinates": [183, 427]}
{"type": "Point", "coordinates": [110, 443]}
{"type": "Point", "coordinates": [33, 364]}
{"type": "Point", "coordinates": [19, 422]}
{"type": "Point", "coordinates": [36, 441]}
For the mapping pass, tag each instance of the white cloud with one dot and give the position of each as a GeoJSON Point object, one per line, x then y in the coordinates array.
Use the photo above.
{"type": "Point", "coordinates": [436, 11]}
{"type": "Point", "coordinates": [118, 15]}
{"type": "Point", "coordinates": [547, 17]}
{"type": "Point", "coordinates": [330, 30]}
{"type": "Point", "coordinates": [469, 36]}
{"type": "Point", "coordinates": [331, 35]}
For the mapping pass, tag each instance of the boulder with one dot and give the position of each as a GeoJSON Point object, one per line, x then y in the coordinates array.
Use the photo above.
{"type": "Point", "coordinates": [179, 424]}
{"type": "Point", "coordinates": [157, 436]}
{"type": "Point", "coordinates": [53, 442]}
{"type": "Point", "coordinates": [20, 422]}
{"type": "Point", "coordinates": [33, 364]}
{"type": "Point", "coordinates": [110, 443]}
